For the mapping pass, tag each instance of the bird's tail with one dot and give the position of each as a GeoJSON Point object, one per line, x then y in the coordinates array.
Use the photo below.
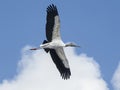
{"type": "Point", "coordinates": [46, 49]}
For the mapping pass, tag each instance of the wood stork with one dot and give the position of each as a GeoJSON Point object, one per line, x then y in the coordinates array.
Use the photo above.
{"type": "Point", "coordinates": [54, 45]}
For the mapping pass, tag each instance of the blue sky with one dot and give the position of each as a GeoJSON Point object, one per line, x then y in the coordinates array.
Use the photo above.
{"type": "Point", "coordinates": [93, 24]}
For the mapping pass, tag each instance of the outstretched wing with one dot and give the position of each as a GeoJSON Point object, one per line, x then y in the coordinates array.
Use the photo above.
{"type": "Point", "coordinates": [53, 33]}
{"type": "Point", "coordinates": [61, 62]}
{"type": "Point", "coordinates": [53, 23]}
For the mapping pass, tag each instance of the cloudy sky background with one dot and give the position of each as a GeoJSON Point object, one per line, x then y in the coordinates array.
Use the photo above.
{"type": "Point", "coordinates": [36, 71]}
{"type": "Point", "coordinates": [92, 24]}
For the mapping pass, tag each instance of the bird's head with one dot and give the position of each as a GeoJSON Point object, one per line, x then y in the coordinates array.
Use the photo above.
{"type": "Point", "coordinates": [70, 44]}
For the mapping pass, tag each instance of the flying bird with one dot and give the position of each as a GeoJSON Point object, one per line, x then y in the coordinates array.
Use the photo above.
{"type": "Point", "coordinates": [54, 44]}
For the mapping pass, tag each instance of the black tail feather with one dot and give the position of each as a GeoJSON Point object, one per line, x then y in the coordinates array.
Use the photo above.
{"type": "Point", "coordinates": [46, 49]}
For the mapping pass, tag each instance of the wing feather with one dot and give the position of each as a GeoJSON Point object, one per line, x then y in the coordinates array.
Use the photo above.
{"type": "Point", "coordinates": [53, 23]}
{"type": "Point", "coordinates": [61, 62]}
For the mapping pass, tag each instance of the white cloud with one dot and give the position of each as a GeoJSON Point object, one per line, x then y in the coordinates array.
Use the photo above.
{"type": "Point", "coordinates": [36, 71]}
{"type": "Point", "coordinates": [116, 78]}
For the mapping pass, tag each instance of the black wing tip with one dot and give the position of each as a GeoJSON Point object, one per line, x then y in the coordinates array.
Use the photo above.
{"type": "Point", "coordinates": [52, 6]}
{"type": "Point", "coordinates": [52, 9]}
{"type": "Point", "coordinates": [66, 74]}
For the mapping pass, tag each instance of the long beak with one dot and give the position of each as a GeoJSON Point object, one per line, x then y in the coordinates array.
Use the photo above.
{"type": "Point", "coordinates": [76, 45]}
{"type": "Point", "coordinates": [34, 48]}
